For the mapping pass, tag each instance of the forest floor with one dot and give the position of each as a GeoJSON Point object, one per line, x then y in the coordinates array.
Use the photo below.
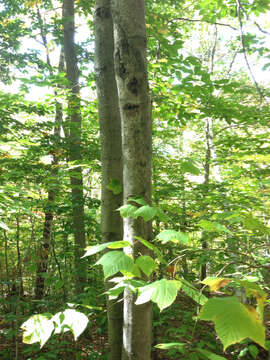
{"type": "Point", "coordinates": [174, 324]}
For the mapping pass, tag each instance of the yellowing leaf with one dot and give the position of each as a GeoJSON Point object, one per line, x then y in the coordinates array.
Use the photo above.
{"type": "Point", "coordinates": [233, 321]}
{"type": "Point", "coordinates": [215, 283]}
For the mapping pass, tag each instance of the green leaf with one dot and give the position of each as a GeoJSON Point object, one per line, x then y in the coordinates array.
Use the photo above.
{"type": "Point", "coordinates": [136, 272]}
{"type": "Point", "coordinates": [115, 261]}
{"type": "Point", "coordinates": [193, 293]}
{"type": "Point", "coordinates": [38, 328]}
{"type": "Point", "coordinates": [233, 321]}
{"type": "Point", "coordinates": [209, 355]}
{"type": "Point", "coordinates": [138, 200]}
{"type": "Point", "coordinates": [169, 346]}
{"type": "Point", "coordinates": [128, 210]}
{"type": "Point", "coordinates": [146, 212]}
{"type": "Point", "coordinates": [115, 186]}
{"type": "Point", "coordinates": [151, 247]}
{"type": "Point", "coordinates": [70, 319]}
{"type": "Point", "coordinates": [91, 250]}
{"type": "Point", "coordinates": [254, 352]}
{"type": "Point", "coordinates": [161, 215]}
{"type": "Point", "coordinates": [253, 289]}
{"type": "Point", "coordinates": [215, 283]}
{"type": "Point", "coordinates": [213, 226]}
{"type": "Point", "coordinates": [172, 235]}
{"type": "Point", "coordinates": [253, 223]}
{"type": "Point", "coordinates": [162, 292]}
{"type": "Point", "coordinates": [146, 264]}
{"type": "Point", "coordinates": [188, 166]}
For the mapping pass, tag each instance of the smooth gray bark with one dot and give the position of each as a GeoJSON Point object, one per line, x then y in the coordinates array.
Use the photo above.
{"type": "Point", "coordinates": [111, 153]}
{"type": "Point", "coordinates": [135, 109]}
{"type": "Point", "coordinates": [74, 142]}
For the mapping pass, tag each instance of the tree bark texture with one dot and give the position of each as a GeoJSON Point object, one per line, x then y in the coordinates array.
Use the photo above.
{"type": "Point", "coordinates": [111, 153]}
{"type": "Point", "coordinates": [74, 142]}
{"type": "Point", "coordinates": [135, 110]}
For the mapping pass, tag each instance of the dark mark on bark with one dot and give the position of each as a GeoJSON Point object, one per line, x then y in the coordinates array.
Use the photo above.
{"type": "Point", "coordinates": [131, 107]}
{"type": "Point", "coordinates": [133, 86]}
{"type": "Point", "coordinates": [103, 12]}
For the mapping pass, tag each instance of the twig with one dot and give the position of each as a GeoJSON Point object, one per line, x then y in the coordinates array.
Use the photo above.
{"type": "Point", "coordinates": [203, 21]}
{"type": "Point", "coordinates": [239, 8]}
{"type": "Point", "coordinates": [261, 29]}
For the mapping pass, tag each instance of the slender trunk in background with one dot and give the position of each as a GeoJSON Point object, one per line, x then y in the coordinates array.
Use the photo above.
{"type": "Point", "coordinates": [44, 249]}
{"type": "Point", "coordinates": [207, 161]}
{"type": "Point", "coordinates": [111, 154]}
{"type": "Point", "coordinates": [6, 261]}
{"type": "Point", "coordinates": [19, 258]}
{"type": "Point", "coordinates": [135, 110]}
{"type": "Point", "coordinates": [74, 142]}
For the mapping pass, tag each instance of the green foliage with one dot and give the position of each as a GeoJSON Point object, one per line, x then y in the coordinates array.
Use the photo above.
{"type": "Point", "coordinates": [209, 355]}
{"type": "Point", "coordinates": [115, 186]}
{"type": "Point", "coordinates": [177, 346]}
{"type": "Point", "coordinates": [146, 264]}
{"type": "Point", "coordinates": [233, 321]}
{"type": "Point", "coordinates": [213, 226]}
{"type": "Point", "coordinates": [91, 250]}
{"type": "Point", "coordinates": [174, 236]}
{"type": "Point", "coordinates": [115, 261]}
{"type": "Point", "coordinates": [162, 292]}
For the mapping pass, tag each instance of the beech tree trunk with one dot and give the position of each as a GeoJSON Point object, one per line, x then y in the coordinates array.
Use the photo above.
{"type": "Point", "coordinates": [135, 110]}
{"type": "Point", "coordinates": [111, 153]}
{"type": "Point", "coordinates": [74, 142]}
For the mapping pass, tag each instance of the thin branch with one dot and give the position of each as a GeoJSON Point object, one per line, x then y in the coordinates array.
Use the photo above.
{"type": "Point", "coordinates": [239, 8]}
{"type": "Point", "coordinates": [213, 51]}
{"type": "Point", "coordinates": [232, 62]}
{"type": "Point", "coordinates": [202, 21]}
{"type": "Point", "coordinates": [261, 29]}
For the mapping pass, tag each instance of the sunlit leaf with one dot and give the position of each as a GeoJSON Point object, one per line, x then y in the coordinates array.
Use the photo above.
{"type": "Point", "coordinates": [168, 346]}
{"type": "Point", "coordinates": [91, 250]}
{"type": "Point", "coordinates": [172, 235]}
{"type": "Point", "coordinates": [72, 320]}
{"type": "Point", "coordinates": [37, 329]}
{"type": "Point", "coordinates": [215, 283]}
{"type": "Point", "coordinates": [162, 292]}
{"type": "Point", "coordinates": [146, 212]}
{"type": "Point", "coordinates": [146, 264]}
{"type": "Point", "coordinates": [233, 321]}
{"type": "Point", "coordinates": [115, 261]}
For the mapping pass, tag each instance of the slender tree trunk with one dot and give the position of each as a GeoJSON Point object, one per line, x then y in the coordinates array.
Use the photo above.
{"type": "Point", "coordinates": [135, 110]}
{"type": "Point", "coordinates": [19, 258]}
{"type": "Point", "coordinates": [208, 138]}
{"type": "Point", "coordinates": [74, 142]}
{"type": "Point", "coordinates": [44, 250]}
{"type": "Point", "coordinates": [111, 153]}
{"type": "Point", "coordinates": [6, 261]}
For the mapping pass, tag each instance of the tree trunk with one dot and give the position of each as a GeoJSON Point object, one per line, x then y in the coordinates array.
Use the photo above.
{"type": "Point", "coordinates": [44, 250]}
{"type": "Point", "coordinates": [111, 153]}
{"type": "Point", "coordinates": [135, 110]}
{"type": "Point", "coordinates": [208, 138]}
{"type": "Point", "coordinates": [74, 142]}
